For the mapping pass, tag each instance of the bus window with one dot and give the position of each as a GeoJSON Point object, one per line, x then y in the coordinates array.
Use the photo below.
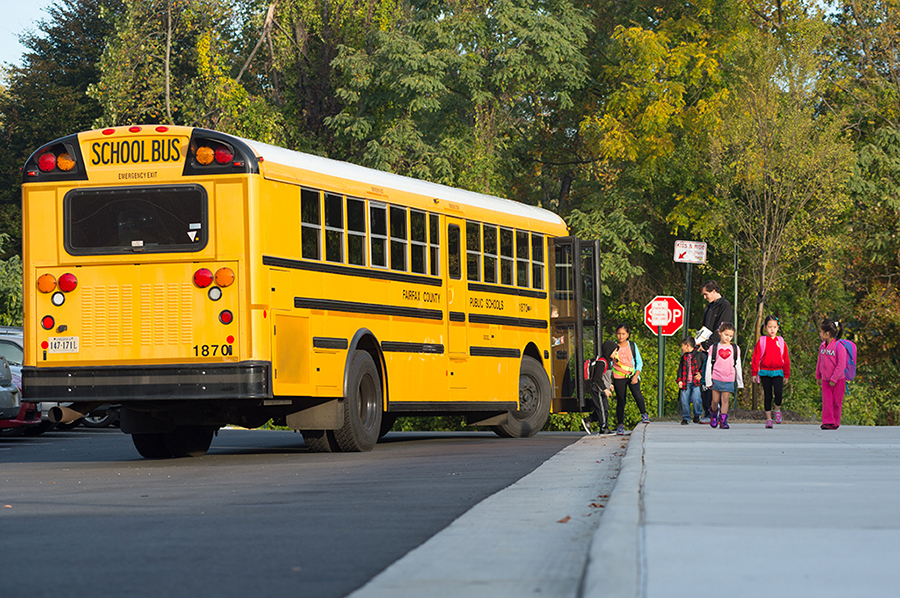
{"type": "Point", "coordinates": [310, 224]}
{"type": "Point", "coordinates": [398, 238]}
{"type": "Point", "coordinates": [490, 253]}
{"type": "Point", "coordinates": [418, 242]}
{"type": "Point", "coordinates": [378, 234]}
{"type": "Point", "coordinates": [435, 241]}
{"type": "Point", "coordinates": [356, 232]}
{"type": "Point", "coordinates": [334, 228]}
{"type": "Point", "coordinates": [145, 219]}
{"type": "Point", "coordinates": [453, 252]}
{"type": "Point", "coordinates": [537, 261]}
{"type": "Point", "coordinates": [506, 256]}
{"type": "Point", "coordinates": [473, 250]}
{"type": "Point", "coordinates": [521, 258]}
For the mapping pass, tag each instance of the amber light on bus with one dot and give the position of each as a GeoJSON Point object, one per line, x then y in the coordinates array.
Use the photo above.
{"type": "Point", "coordinates": [206, 155]}
{"type": "Point", "coordinates": [47, 283]}
{"type": "Point", "coordinates": [224, 277]}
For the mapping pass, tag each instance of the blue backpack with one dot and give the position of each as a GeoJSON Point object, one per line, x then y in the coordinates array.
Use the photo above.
{"type": "Point", "coordinates": [850, 370]}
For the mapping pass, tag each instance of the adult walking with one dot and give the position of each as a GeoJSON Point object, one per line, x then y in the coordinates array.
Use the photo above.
{"type": "Point", "coordinates": [718, 310]}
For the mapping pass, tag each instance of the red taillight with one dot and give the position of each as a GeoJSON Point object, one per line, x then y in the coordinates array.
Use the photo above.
{"type": "Point", "coordinates": [226, 317]}
{"type": "Point", "coordinates": [161, 129]}
{"type": "Point", "coordinates": [67, 282]}
{"type": "Point", "coordinates": [47, 162]}
{"type": "Point", "coordinates": [108, 131]}
{"type": "Point", "coordinates": [224, 155]}
{"type": "Point", "coordinates": [230, 340]}
{"type": "Point", "coordinates": [203, 278]}
{"type": "Point", "coordinates": [134, 130]}
{"type": "Point", "coordinates": [47, 322]}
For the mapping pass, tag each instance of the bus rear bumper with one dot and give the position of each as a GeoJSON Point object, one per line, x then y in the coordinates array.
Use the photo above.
{"type": "Point", "coordinates": [123, 384]}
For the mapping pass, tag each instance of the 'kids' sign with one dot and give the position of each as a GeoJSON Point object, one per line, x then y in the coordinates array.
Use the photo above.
{"type": "Point", "coordinates": [664, 312]}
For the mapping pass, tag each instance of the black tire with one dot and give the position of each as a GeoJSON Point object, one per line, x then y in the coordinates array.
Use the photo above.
{"type": "Point", "coordinates": [320, 441]}
{"type": "Point", "coordinates": [189, 441]}
{"type": "Point", "coordinates": [534, 402]}
{"type": "Point", "coordinates": [387, 423]}
{"type": "Point", "coordinates": [102, 420]}
{"type": "Point", "coordinates": [151, 446]}
{"type": "Point", "coordinates": [362, 406]}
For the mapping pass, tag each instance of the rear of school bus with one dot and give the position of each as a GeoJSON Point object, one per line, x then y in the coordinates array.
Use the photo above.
{"type": "Point", "coordinates": [137, 284]}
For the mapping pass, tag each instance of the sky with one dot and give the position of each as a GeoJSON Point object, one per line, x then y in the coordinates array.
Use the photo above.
{"type": "Point", "coordinates": [20, 16]}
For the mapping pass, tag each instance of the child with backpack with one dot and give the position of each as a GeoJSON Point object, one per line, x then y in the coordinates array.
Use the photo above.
{"type": "Point", "coordinates": [598, 375]}
{"type": "Point", "coordinates": [689, 378]}
{"type": "Point", "coordinates": [836, 365]}
{"type": "Point", "coordinates": [627, 364]}
{"type": "Point", "coordinates": [723, 374]}
{"type": "Point", "coordinates": [771, 367]}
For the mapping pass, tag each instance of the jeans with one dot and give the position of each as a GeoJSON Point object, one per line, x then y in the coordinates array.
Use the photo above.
{"type": "Point", "coordinates": [690, 394]}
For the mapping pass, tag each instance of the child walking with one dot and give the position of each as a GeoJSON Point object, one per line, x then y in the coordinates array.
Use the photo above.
{"type": "Point", "coordinates": [689, 369]}
{"type": "Point", "coordinates": [723, 374]}
{"type": "Point", "coordinates": [627, 366]}
{"type": "Point", "coordinates": [771, 367]}
{"type": "Point", "coordinates": [830, 373]}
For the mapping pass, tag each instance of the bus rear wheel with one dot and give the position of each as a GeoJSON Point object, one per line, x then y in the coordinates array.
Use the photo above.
{"type": "Point", "coordinates": [534, 402]}
{"type": "Point", "coordinates": [362, 406]}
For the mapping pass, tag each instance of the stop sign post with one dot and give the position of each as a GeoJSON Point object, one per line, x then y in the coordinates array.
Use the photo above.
{"type": "Point", "coordinates": [664, 316]}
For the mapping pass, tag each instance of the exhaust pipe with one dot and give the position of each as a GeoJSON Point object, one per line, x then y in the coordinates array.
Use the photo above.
{"type": "Point", "coordinates": [65, 415]}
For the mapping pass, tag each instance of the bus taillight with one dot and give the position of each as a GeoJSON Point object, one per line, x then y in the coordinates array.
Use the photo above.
{"type": "Point", "coordinates": [65, 162]}
{"type": "Point", "coordinates": [47, 283]}
{"type": "Point", "coordinates": [47, 322]}
{"type": "Point", "coordinates": [224, 155]}
{"type": "Point", "coordinates": [205, 155]}
{"type": "Point", "coordinates": [203, 277]}
{"type": "Point", "coordinates": [67, 282]}
{"type": "Point", "coordinates": [226, 317]}
{"type": "Point", "coordinates": [47, 162]}
{"type": "Point", "coordinates": [224, 277]}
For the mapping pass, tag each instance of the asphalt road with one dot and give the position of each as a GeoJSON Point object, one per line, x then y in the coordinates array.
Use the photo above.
{"type": "Point", "coordinates": [81, 514]}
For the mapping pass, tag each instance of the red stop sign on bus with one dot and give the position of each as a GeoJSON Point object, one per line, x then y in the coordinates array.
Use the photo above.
{"type": "Point", "coordinates": [664, 312]}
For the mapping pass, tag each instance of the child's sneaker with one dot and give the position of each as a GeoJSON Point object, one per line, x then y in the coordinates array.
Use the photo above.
{"type": "Point", "coordinates": [723, 422]}
{"type": "Point", "coordinates": [587, 428]}
{"type": "Point", "coordinates": [645, 419]}
{"type": "Point", "coordinates": [778, 417]}
{"type": "Point", "coordinates": [685, 422]}
{"type": "Point", "coordinates": [768, 423]}
{"type": "Point", "coordinates": [713, 419]}
{"type": "Point", "coordinates": [620, 431]}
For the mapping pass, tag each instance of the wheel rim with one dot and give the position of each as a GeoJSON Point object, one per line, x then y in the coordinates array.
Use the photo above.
{"type": "Point", "coordinates": [368, 401]}
{"type": "Point", "coordinates": [528, 396]}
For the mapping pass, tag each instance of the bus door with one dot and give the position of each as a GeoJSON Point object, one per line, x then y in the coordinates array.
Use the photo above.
{"type": "Point", "coordinates": [457, 296]}
{"type": "Point", "coordinates": [575, 319]}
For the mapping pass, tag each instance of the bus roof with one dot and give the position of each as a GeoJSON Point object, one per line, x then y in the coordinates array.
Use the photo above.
{"type": "Point", "coordinates": [378, 178]}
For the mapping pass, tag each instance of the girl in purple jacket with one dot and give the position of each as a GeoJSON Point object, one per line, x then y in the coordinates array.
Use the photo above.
{"type": "Point", "coordinates": [830, 373]}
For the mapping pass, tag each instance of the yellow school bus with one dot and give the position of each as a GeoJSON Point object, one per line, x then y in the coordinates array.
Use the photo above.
{"type": "Point", "coordinates": [198, 279]}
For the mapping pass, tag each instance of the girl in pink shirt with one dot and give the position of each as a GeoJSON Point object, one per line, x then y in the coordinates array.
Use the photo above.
{"type": "Point", "coordinates": [830, 373]}
{"type": "Point", "coordinates": [771, 367]}
{"type": "Point", "coordinates": [723, 374]}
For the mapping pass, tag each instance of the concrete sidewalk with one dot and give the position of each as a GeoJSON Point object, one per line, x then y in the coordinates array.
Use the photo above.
{"type": "Point", "coordinates": [790, 511]}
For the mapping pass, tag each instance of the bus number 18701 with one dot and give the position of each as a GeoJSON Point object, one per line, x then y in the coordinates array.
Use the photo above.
{"type": "Point", "coordinates": [212, 350]}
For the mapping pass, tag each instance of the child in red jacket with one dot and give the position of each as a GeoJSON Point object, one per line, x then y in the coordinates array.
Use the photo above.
{"type": "Point", "coordinates": [771, 367]}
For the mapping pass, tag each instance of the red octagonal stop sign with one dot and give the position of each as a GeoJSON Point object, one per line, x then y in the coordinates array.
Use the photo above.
{"type": "Point", "coordinates": [664, 312]}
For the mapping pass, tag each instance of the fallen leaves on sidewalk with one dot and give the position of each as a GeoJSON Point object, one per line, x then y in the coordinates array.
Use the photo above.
{"type": "Point", "coordinates": [564, 519]}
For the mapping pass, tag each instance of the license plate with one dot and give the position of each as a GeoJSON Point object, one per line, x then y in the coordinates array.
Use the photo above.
{"type": "Point", "coordinates": [63, 344]}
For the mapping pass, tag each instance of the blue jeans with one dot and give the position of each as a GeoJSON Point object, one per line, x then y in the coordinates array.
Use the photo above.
{"type": "Point", "coordinates": [690, 394]}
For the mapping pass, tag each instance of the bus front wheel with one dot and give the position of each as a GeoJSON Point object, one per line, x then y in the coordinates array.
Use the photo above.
{"type": "Point", "coordinates": [362, 406]}
{"type": "Point", "coordinates": [534, 402]}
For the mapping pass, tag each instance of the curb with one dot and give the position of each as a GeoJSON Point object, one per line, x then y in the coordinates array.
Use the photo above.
{"type": "Point", "coordinates": [615, 565]}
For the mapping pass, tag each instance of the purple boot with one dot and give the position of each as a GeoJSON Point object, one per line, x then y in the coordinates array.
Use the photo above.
{"type": "Point", "coordinates": [713, 418]}
{"type": "Point", "coordinates": [723, 421]}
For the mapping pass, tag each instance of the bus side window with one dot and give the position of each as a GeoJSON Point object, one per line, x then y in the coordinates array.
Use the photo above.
{"type": "Point", "coordinates": [473, 251]}
{"type": "Point", "coordinates": [537, 261]}
{"type": "Point", "coordinates": [435, 241]}
{"type": "Point", "coordinates": [356, 232]}
{"type": "Point", "coordinates": [453, 252]}
{"type": "Point", "coordinates": [521, 258]}
{"type": "Point", "coordinates": [310, 224]}
{"type": "Point", "coordinates": [490, 253]}
{"type": "Point", "coordinates": [506, 256]}
{"type": "Point", "coordinates": [378, 234]}
{"type": "Point", "coordinates": [418, 242]}
{"type": "Point", "coordinates": [334, 228]}
{"type": "Point", "coordinates": [398, 238]}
